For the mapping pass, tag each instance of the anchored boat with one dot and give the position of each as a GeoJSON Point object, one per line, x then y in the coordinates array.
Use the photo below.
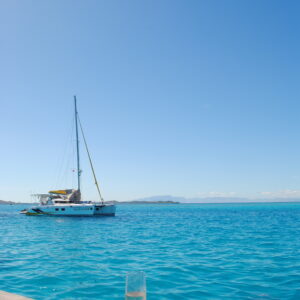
{"type": "Point", "coordinates": [68, 202]}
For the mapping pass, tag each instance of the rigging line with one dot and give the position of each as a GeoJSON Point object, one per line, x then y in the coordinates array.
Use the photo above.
{"type": "Point", "coordinates": [87, 150]}
{"type": "Point", "coordinates": [73, 164]}
{"type": "Point", "coordinates": [61, 161]}
{"type": "Point", "coordinates": [68, 175]}
{"type": "Point", "coordinates": [64, 175]}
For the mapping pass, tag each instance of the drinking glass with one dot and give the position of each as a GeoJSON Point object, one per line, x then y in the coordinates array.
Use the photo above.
{"type": "Point", "coordinates": [135, 286]}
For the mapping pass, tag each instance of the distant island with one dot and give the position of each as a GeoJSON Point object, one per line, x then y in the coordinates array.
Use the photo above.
{"type": "Point", "coordinates": [108, 202]}
{"type": "Point", "coordinates": [2, 202]}
{"type": "Point", "coordinates": [7, 202]}
{"type": "Point", "coordinates": [168, 199]}
{"type": "Point", "coordinates": [143, 202]}
{"type": "Point", "coordinates": [216, 200]}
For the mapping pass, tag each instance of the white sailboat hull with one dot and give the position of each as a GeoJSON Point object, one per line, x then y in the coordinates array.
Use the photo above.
{"type": "Point", "coordinates": [83, 210]}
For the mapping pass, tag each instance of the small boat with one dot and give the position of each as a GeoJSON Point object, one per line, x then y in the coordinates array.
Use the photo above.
{"type": "Point", "coordinates": [67, 202]}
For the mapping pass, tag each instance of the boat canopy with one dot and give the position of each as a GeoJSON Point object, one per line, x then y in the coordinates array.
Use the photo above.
{"type": "Point", "coordinates": [62, 192]}
{"type": "Point", "coordinates": [70, 195]}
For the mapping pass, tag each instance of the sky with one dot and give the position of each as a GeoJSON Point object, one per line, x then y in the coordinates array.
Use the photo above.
{"type": "Point", "coordinates": [184, 98]}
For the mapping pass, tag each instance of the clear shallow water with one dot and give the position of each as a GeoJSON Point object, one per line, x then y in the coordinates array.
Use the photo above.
{"type": "Point", "coordinates": [221, 251]}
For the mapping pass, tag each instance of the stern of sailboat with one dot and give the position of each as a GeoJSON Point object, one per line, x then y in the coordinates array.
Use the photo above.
{"type": "Point", "coordinates": [105, 210]}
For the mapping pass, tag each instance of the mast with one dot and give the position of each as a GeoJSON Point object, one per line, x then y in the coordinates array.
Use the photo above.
{"type": "Point", "coordinates": [77, 145]}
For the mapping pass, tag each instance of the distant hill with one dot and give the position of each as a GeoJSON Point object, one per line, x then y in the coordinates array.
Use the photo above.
{"type": "Point", "coordinates": [164, 198]}
{"type": "Point", "coordinates": [7, 202]}
{"type": "Point", "coordinates": [142, 202]}
{"type": "Point", "coordinates": [212, 199]}
{"type": "Point", "coordinates": [2, 202]}
{"type": "Point", "coordinates": [189, 200]}
{"type": "Point", "coordinates": [168, 199]}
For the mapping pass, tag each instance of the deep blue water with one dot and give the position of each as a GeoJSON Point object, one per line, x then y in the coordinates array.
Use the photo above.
{"type": "Point", "coordinates": [221, 251]}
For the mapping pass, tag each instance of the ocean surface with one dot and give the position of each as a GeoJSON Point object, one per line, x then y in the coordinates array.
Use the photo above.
{"type": "Point", "coordinates": [196, 251]}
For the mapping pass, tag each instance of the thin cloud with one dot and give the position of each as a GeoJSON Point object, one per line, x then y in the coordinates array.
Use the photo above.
{"type": "Point", "coordinates": [282, 194]}
{"type": "Point", "coordinates": [217, 194]}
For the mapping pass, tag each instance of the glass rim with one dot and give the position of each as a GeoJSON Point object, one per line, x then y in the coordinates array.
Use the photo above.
{"type": "Point", "coordinates": [136, 272]}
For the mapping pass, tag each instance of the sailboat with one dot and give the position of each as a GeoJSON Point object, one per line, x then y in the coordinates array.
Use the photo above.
{"type": "Point", "coordinates": [67, 202]}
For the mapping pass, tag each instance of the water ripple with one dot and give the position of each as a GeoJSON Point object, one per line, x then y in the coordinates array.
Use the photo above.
{"type": "Point", "coordinates": [187, 251]}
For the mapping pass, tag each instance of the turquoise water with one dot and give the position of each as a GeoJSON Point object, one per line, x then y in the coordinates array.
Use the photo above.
{"type": "Point", "coordinates": [221, 251]}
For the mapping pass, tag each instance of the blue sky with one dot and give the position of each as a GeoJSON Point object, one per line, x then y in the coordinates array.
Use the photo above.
{"type": "Point", "coordinates": [184, 98]}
